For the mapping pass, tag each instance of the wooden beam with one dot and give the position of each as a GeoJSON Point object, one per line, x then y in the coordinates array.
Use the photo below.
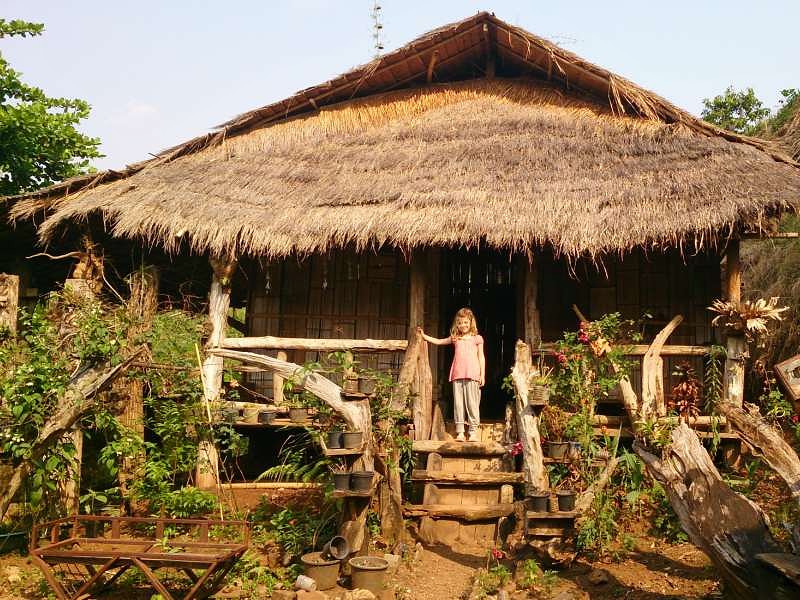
{"type": "Point", "coordinates": [459, 448]}
{"type": "Point", "coordinates": [9, 302]}
{"type": "Point", "coordinates": [431, 64]}
{"type": "Point", "coordinates": [269, 342]}
{"type": "Point", "coordinates": [733, 272]}
{"type": "Point", "coordinates": [219, 301]}
{"type": "Point", "coordinates": [488, 477]}
{"type": "Point", "coordinates": [533, 325]}
{"type": "Point", "coordinates": [422, 409]}
{"type": "Point", "coordinates": [641, 350]}
{"type": "Point", "coordinates": [489, 50]}
{"type": "Point", "coordinates": [459, 511]}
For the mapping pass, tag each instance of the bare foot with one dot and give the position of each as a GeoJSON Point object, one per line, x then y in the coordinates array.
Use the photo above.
{"type": "Point", "coordinates": [460, 437]}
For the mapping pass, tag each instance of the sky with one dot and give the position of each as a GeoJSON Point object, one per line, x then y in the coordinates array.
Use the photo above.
{"type": "Point", "coordinates": [158, 73]}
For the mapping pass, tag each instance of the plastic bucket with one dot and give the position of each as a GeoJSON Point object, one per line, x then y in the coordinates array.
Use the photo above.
{"type": "Point", "coordinates": [298, 415]}
{"type": "Point", "coordinates": [368, 573]}
{"type": "Point", "coordinates": [352, 439]}
{"type": "Point", "coordinates": [322, 570]}
{"type": "Point", "coordinates": [336, 549]}
{"type": "Point", "coordinates": [361, 481]}
{"type": "Point", "coordinates": [266, 416]}
{"type": "Point", "coordinates": [334, 439]}
{"type": "Point", "coordinates": [557, 450]}
{"type": "Point", "coordinates": [566, 501]}
{"type": "Point", "coordinates": [341, 480]}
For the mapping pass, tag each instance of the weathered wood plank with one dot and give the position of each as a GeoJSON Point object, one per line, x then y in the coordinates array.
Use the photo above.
{"type": "Point", "coordinates": [269, 342]}
{"type": "Point", "coordinates": [477, 477]}
{"type": "Point", "coordinates": [459, 448]}
{"type": "Point", "coordinates": [459, 511]}
{"type": "Point", "coordinates": [528, 422]}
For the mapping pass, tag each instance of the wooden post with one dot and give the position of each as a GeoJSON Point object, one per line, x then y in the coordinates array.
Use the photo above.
{"type": "Point", "coordinates": [528, 422]}
{"type": "Point", "coordinates": [219, 301]}
{"type": "Point", "coordinates": [423, 401]}
{"type": "Point", "coordinates": [142, 307]}
{"type": "Point", "coordinates": [533, 325]}
{"type": "Point", "coordinates": [9, 302]}
{"type": "Point", "coordinates": [736, 346]}
{"type": "Point", "coordinates": [653, 399]}
{"type": "Point", "coordinates": [277, 381]}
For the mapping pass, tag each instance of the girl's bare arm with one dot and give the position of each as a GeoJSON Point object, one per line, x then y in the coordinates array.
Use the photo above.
{"type": "Point", "coordinates": [482, 363]}
{"type": "Point", "coordinates": [433, 340]}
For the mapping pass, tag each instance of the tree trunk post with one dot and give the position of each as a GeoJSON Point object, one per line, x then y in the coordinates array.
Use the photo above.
{"type": "Point", "coordinates": [736, 346]}
{"type": "Point", "coordinates": [142, 307]}
{"type": "Point", "coordinates": [219, 301]}
{"type": "Point", "coordinates": [533, 325]}
{"type": "Point", "coordinates": [423, 400]}
{"type": "Point", "coordinates": [9, 302]}
{"type": "Point", "coordinates": [528, 422]}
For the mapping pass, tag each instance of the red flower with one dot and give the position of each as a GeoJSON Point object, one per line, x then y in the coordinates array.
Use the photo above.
{"type": "Point", "coordinates": [516, 448]}
{"type": "Point", "coordinates": [497, 554]}
{"type": "Point", "coordinates": [583, 337]}
{"type": "Point", "coordinates": [795, 419]}
{"type": "Point", "coordinates": [561, 358]}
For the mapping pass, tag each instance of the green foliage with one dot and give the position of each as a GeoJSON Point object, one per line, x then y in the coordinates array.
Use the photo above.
{"type": "Point", "coordinates": [300, 461]}
{"type": "Point", "coordinates": [39, 140]}
{"type": "Point", "coordinates": [665, 521]}
{"type": "Point", "coordinates": [491, 580]}
{"type": "Point", "coordinates": [738, 111]}
{"type": "Point", "coordinates": [712, 377]}
{"type": "Point", "coordinates": [599, 527]}
{"type": "Point", "coordinates": [535, 578]}
{"type": "Point", "coordinates": [297, 531]}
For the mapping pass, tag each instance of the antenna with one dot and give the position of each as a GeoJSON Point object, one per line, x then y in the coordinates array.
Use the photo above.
{"type": "Point", "coordinates": [377, 28]}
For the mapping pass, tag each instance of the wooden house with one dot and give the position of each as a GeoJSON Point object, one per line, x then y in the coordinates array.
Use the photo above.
{"type": "Point", "coordinates": [479, 165]}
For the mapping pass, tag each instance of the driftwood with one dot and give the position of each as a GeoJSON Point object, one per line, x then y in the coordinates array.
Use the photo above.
{"type": "Point", "coordinates": [653, 372]}
{"type": "Point", "coordinates": [767, 441]}
{"type": "Point", "coordinates": [528, 422]}
{"type": "Point", "coordinates": [78, 401]}
{"type": "Point", "coordinates": [728, 527]}
{"type": "Point", "coordinates": [356, 414]}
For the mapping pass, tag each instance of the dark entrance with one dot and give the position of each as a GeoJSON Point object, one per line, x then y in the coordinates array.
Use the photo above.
{"type": "Point", "coordinates": [483, 281]}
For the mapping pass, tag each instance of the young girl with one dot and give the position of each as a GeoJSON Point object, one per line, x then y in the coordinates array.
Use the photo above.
{"type": "Point", "coordinates": [467, 371]}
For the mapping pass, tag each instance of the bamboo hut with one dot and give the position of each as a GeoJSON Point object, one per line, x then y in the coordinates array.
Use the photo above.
{"type": "Point", "coordinates": [479, 165]}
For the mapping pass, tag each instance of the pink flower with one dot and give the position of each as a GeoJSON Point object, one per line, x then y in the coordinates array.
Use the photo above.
{"type": "Point", "coordinates": [583, 337]}
{"type": "Point", "coordinates": [795, 419]}
{"type": "Point", "coordinates": [561, 358]}
{"type": "Point", "coordinates": [497, 554]}
{"type": "Point", "coordinates": [516, 448]}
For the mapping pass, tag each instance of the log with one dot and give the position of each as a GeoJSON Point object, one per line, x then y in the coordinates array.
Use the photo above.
{"type": "Point", "coordinates": [528, 422]}
{"type": "Point", "coordinates": [423, 401]}
{"type": "Point", "coordinates": [219, 301]}
{"type": "Point", "coordinates": [79, 400]}
{"type": "Point", "coordinates": [653, 372]}
{"type": "Point", "coordinates": [484, 512]}
{"type": "Point", "coordinates": [733, 378]}
{"type": "Point", "coordinates": [459, 448]}
{"type": "Point", "coordinates": [9, 302]}
{"type": "Point", "coordinates": [767, 441]}
{"type": "Point", "coordinates": [584, 501]}
{"type": "Point", "coordinates": [487, 477]}
{"type": "Point", "coordinates": [269, 342]}
{"type": "Point", "coordinates": [727, 526]}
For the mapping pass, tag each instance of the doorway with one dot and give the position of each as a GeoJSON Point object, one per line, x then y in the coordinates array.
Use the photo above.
{"type": "Point", "coordinates": [484, 282]}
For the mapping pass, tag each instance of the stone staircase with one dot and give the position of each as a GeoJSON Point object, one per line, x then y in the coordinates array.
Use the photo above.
{"type": "Point", "coordinates": [467, 488]}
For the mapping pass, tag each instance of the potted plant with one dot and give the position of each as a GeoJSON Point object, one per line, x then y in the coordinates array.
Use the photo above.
{"type": "Point", "coordinates": [341, 476]}
{"type": "Point", "coordinates": [298, 411]}
{"type": "Point", "coordinates": [551, 426]}
{"type": "Point", "coordinates": [352, 439]}
{"type": "Point", "coordinates": [250, 412]}
{"type": "Point", "coordinates": [540, 382]}
{"type": "Point", "coordinates": [361, 481]}
{"type": "Point", "coordinates": [538, 501]}
{"type": "Point", "coordinates": [566, 500]}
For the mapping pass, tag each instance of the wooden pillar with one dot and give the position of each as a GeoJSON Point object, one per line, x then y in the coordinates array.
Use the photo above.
{"type": "Point", "coordinates": [277, 381]}
{"type": "Point", "coordinates": [9, 302]}
{"type": "Point", "coordinates": [736, 346]}
{"type": "Point", "coordinates": [528, 422]}
{"type": "Point", "coordinates": [533, 325]}
{"type": "Point", "coordinates": [422, 410]}
{"type": "Point", "coordinates": [219, 301]}
{"type": "Point", "coordinates": [142, 307]}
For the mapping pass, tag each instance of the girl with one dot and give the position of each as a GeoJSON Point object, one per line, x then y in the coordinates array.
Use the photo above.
{"type": "Point", "coordinates": [467, 371]}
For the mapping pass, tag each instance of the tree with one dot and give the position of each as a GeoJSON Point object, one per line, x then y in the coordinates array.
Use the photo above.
{"type": "Point", "coordinates": [39, 142]}
{"type": "Point", "coordinates": [739, 111]}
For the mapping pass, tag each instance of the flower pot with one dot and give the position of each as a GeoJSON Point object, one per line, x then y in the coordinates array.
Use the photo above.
{"type": "Point", "coordinates": [336, 548]}
{"type": "Point", "coordinates": [538, 502]}
{"type": "Point", "coordinates": [566, 500]}
{"type": "Point", "coordinates": [230, 414]}
{"type": "Point", "coordinates": [368, 573]}
{"type": "Point", "coordinates": [298, 414]}
{"type": "Point", "coordinates": [350, 385]}
{"type": "Point", "coordinates": [361, 481]}
{"type": "Point", "coordinates": [557, 450]}
{"type": "Point", "coordinates": [574, 451]}
{"type": "Point", "coordinates": [352, 439]}
{"type": "Point", "coordinates": [250, 413]}
{"type": "Point", "coordinates": [322, 570]}
{"type": "Point", "coordinates": [334, 440]}
{"type": "Point", "coordinates": [265, 417]}
{"type": "Point", "coordinates": [341, 480]}
{"type": "Point", "coordinates": [539, 395]}
{"type": "Point", "coordinates": [367, 385]}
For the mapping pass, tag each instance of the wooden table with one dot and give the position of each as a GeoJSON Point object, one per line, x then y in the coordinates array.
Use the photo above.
{"type": "Point", "coordinates": [75, 563]}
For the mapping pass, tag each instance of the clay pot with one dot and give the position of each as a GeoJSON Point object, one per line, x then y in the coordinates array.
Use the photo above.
{"type": "Point", "coordinates": [265, 417]}
{"type": "Point", "coordinates": [341, 480]}
{"type": "Point", "coordinates": [538, 502]}
{"type": "Point", "coordinates": [367, 385]}
{"type": "Point", "coordinates": [352, 439]}
{"type": "Point", "coordinates": [334, 440]}
{"type": "Point", "coordinates": [336, 548]}
{"type": "Point", "coordinates": [566, 500]}
{"type": "Point", "coordinates": [368, 573]}
{"type": "Point", "coordinates": [250, 413]}
{"type": "Point", "coordinates": [361, 481]}
{"type": "Point", "coordinates": [574, 451]}
{"type": "Point", "coordinates": [298, 414]}
{"type": "Point", "coordinates": [322, 570]}
{"type": "Point", "coordinates": [557, 450]}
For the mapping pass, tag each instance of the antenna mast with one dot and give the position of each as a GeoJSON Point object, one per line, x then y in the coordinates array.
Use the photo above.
{"type": "Point", "coordinates": [377, 28]}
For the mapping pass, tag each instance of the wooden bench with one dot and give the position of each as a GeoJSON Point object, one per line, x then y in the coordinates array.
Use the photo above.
{"type": "Point", "coordinates": [87, 553]}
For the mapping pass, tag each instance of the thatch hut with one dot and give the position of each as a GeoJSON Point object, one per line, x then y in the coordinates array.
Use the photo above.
{"type": "Point", "coordinates": [478, 165]}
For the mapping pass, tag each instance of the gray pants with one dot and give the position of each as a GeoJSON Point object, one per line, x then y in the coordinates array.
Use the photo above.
{"type": "Point", "coordinates": [466, 399]}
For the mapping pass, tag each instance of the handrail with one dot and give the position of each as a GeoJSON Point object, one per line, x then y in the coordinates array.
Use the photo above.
{"type": "Point", "coordinates": [641, 350]}
{"type": "Point", "coordinates": [269, 342]}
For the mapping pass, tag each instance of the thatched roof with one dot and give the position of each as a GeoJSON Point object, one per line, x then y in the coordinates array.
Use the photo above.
{"type": "Point", "coordinates": [420, 148]}
{"type": "Point", "coordinates": [789, 135]}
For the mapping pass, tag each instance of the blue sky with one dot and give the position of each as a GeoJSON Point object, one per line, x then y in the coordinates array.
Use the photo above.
{"type": "Point", "coordinates": [159, 72]}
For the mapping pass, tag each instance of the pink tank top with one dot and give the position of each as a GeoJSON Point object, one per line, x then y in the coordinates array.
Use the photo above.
{"type": "Point", "coordinates": [465, 362]}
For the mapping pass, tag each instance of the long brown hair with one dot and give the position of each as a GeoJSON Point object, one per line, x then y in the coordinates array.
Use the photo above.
{"type": "Point", "coordinates": [464, 313]}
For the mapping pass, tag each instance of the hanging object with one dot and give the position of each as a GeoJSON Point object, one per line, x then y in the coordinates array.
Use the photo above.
{"type": "Point", "coordinates": [267, 281]}
{"type": "Point", "coordinates": [324, 274]}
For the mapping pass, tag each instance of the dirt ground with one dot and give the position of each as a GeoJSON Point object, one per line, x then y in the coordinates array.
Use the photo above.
{"type": "Point", "coordinates": [653, 571]}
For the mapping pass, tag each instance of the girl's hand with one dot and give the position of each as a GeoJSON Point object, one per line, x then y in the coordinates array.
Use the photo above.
{"type": "Point", "coordinates": [420, 333]}
{"type": "Point", "coordinates": [482, 381]}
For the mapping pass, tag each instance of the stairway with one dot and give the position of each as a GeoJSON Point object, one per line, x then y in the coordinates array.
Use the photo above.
{"type": "Point", "coordinates": [468, 488]}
